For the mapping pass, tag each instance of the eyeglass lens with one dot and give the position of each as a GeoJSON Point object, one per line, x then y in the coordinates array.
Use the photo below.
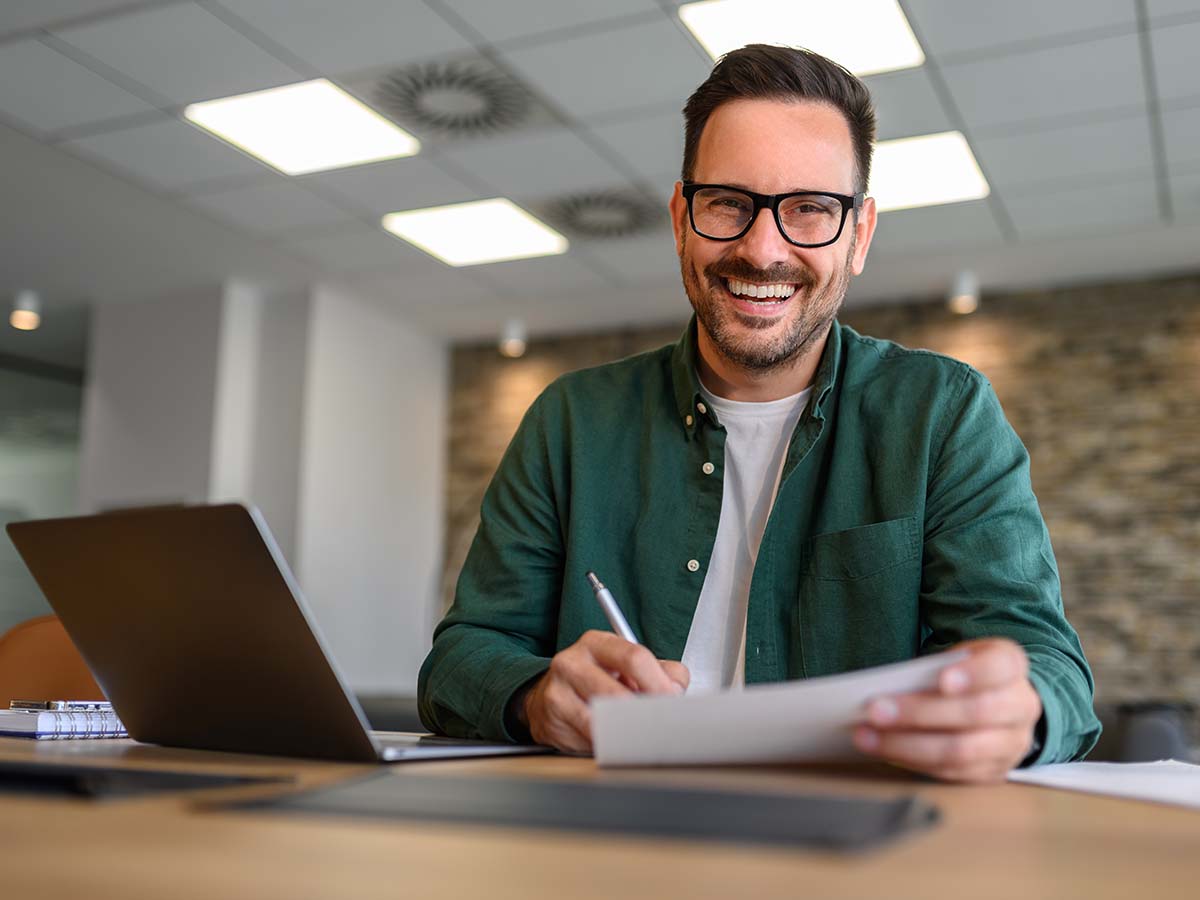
{"type": "Point", "coordinates": [805, 218]}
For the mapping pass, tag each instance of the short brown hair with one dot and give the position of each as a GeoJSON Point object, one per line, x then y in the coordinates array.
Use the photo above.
{"type": "Point", "coordinates": [765, 72]}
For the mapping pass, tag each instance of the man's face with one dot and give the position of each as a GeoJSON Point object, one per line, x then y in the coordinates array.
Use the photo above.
{"type": "Point", "coordinates": [771, 147]}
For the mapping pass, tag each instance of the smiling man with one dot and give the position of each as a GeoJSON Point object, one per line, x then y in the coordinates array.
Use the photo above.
{"type": "Point", "coordinates": [775, 496]}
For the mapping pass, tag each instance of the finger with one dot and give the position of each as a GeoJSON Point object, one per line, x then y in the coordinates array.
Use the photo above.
{"type": "Point", "coordinates": [929, 710]}
{"type": "Point", "coordinates": [634, 662]}
{"type": "Point", "coordinates": [578, 669]}
{"type": "Point", "coordinates": [937, 753]}
{"type": "Point", "coordinates": [993, 663]}
{"type": "Point", "coordinates": [677, 672]}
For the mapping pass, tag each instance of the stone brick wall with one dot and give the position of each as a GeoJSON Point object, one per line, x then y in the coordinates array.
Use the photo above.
{"type": "Point", "coordinates": [1101, 382]}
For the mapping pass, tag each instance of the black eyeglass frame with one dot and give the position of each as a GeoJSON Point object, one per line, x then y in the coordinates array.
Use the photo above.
{"type": "Point", "coordinates": [771, 202]}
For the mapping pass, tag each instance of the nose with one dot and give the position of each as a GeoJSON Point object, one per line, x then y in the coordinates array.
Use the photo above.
{"type": "Point", "coordinates": [763, 246]}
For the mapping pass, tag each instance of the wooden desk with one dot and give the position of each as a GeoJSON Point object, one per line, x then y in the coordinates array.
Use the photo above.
{"type": "Point", "coordinates": [1010, 841]}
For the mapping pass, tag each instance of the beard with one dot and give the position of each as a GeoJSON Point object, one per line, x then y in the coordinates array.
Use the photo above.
{"type": "Point", "coordinates": [745, 340]}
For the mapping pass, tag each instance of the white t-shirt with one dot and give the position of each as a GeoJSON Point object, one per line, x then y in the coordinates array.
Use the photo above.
{"type": "Point", "coordinates": [756, 442]}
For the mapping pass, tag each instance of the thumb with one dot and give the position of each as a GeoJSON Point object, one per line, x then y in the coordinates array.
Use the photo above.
{"type": "Point", "coordinates": [677, 672]}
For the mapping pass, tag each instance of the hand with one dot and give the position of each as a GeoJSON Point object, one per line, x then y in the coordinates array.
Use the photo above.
{"type": "Point", "coordinates": [599, 664]}
{"type": "Point", "coordinates": [976, 726]}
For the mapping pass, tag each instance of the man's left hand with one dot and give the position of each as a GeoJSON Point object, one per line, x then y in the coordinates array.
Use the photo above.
{"type": "Point", "coordinates": [976, 726]}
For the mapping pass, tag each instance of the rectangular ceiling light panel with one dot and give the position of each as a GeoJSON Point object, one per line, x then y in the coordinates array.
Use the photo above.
{"type": "Point", "coordinates": [300, 128]}
{"type": "Point", "coordinates": [865, 36]}
{"type": "Point", "coordinates": [925, 171]}
{"type": "Point", "coordinates": [481, 231]}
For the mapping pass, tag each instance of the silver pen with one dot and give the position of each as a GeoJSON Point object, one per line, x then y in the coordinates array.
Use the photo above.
{"type": "Point", "coordinates": [611, 611]}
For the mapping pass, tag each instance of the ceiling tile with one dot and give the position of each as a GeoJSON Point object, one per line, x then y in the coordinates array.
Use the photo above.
{"type": "Point", "coordinates": [181, 52]}
{"type": "Point", "coordinates": [394, 185]}
{"type": "Point", "coordinates": [1081, 211]}
{"type": "Point", "coordinates": [1038, 158]}
{"type": "Point", "coordinates": [1161, 8]}
{"type": "Point", "coordinates": [539, 163]}
{"type": "Point", "coordinates": [43, 89]}
{"type": "Point", "coordinates": [1091, 77]}
{"type": "Point", "coordinates": [26, 16]}
{"type": "Point", "coordinates": [168, 154]}
{"type": "Point", "coordinates": [518, 18]}
{"type": "Point", "coordinates": [936, 228]}
{"type": "Point", "coordinates": [271, 208]}
{"type": "Point", "coordinates": [628, 68]}
{"type": "Point", "coordinates": [1181, 130]}
{"type": "Point", "coordinates": [973, 25]}
{"type": "Point", "coordinates": [352, 34]}
{"type": "Point", "coordinates": [545, 276]}
{"type": "Point", "coordinates": [647, 258]}
{"type": "Point", "coordinates": [357, 248]}
{"type": "Point", "coordinates": [434, 299]}
{"type": "Point", "coordinates": [1175, 60]}
{"type": "Point", "coordinates": [652, 144]}
{"type": "Point", "coordinates": [1185, 198]}
{"type": "Point", "coordinates": [906, 104]}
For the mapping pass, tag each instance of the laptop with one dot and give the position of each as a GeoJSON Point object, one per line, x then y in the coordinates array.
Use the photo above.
{"type": "Point", "coordinates": [196, 630]}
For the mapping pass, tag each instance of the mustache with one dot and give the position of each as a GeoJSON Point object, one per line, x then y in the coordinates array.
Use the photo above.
{"type": "Point", "coordinates": [743, 271]}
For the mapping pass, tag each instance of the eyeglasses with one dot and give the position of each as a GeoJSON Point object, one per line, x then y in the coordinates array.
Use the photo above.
{"type": "Point", "coordinates": [805, 218]}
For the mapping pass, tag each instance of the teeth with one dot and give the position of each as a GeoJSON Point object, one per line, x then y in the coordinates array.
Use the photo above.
{"type": "Point", "coordinates": [760, 291]}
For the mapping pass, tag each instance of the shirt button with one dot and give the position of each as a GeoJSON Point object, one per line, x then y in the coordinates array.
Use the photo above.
{"type": "Point", "coordinates": [702, 408]}
{"type": "Point", "coordinates": [688, 420]}
{"type": "Point", "coordinates": [707, 468]}
{"type": "Point", "coordinates": [693, 566]}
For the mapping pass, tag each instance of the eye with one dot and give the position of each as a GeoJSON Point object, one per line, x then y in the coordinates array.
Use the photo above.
{"type": "Point", "coordinates": [809, 207]}
{"type": "Point", "coordinates": [728, 202]}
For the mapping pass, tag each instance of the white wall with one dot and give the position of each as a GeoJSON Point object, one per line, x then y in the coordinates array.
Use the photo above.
{"type": "Point", "coordinates": [370, 525]}
{"type": "Point", "coordinates": [148, 402]}
{"type": "Point", "coordinates": [325, 410]}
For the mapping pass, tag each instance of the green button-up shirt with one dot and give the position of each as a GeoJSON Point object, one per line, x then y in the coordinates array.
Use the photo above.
{"type": "Point", "coordinates": [904, 523]}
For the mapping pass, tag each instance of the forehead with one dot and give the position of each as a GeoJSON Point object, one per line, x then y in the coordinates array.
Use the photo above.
{"type": "Point", "coordinates": [773, 146]}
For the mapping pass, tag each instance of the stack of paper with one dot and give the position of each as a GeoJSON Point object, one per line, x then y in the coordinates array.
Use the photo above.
{"type": "Point", "coordinates": [810, 720]}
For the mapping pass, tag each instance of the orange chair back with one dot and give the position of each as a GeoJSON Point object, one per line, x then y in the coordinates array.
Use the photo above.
{"type": "Point", "coordinates": [38, 661]}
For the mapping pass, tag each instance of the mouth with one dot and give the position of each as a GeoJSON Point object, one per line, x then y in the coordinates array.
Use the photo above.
{"type": "Point", "coordinates": [759, 299]}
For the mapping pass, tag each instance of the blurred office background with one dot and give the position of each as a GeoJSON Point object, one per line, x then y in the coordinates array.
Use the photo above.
{"type": "Point", "coordinates": [212, 327]}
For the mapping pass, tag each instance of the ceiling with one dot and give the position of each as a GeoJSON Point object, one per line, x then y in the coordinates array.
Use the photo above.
{"type": "Point", "coordinates": [1084, 115]}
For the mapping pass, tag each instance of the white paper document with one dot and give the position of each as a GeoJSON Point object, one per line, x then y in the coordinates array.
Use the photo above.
{"type": "Point", "coordinates": [1165, 781]}
{"type": "Point", "coordinates": [792, 721]}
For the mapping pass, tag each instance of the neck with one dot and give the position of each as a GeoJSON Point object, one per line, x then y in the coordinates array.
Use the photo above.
{"type": "Point", "coordinates": [727, 379]}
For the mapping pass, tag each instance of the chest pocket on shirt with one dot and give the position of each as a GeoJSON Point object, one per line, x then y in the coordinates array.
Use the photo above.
{"type": "Point", "coordinates": [859, 597]}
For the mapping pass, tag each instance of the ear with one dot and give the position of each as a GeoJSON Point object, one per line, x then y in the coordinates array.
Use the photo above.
{"type": "Point", "coordinates": [864, 230]}
{"type": "Point", "coordinates": [678, 208]}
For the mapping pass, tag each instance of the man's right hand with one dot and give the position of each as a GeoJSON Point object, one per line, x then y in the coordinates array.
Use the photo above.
{"type": "Point", "coordinates": [555, 707]}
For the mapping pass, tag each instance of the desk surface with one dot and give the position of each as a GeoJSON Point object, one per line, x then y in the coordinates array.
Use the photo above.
{"type": "Point", "coordinates": [1006, 841]}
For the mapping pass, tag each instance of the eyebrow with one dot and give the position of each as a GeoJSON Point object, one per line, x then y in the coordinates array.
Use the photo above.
{"type": "Point", "coordinates": [803, 190]}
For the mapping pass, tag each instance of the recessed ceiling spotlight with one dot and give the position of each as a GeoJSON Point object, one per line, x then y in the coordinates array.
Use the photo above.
{"type": "Point", "coordinates": [456, 99]}
{"type": "Point", "coordinates": [964, 293]}
{"type": "Point", "coordinates": [604, 214]}
{"type": "Point", "coordinates": [480, 231]}
{"type": "Point", "coordinates": [833, 29]}
{"type": "Point", "coordinates": [925, 171]}
{"type": "Point", "coordinates": [512, 339]}
{"type": "Point", "coordinates": [26, 314]}
{"type": "Point", "coordinates": [307, 127]}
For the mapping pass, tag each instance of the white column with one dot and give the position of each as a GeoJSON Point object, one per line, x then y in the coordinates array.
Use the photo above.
{"type": "Point", "coordinates": [369, 536]}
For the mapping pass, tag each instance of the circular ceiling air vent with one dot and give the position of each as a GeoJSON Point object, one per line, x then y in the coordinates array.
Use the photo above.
{"type": "Point", "coordinates": [458, 99]}
{"type": "Point", "coordinates": [604, 214]}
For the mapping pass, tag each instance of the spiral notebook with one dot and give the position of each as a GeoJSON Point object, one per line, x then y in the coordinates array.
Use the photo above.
{"type": "Point", "coordinates": [61, 724]}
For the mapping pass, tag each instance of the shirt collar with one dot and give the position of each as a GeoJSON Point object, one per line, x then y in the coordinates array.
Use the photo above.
{"type": "Point", "coordinates": [689, 401]}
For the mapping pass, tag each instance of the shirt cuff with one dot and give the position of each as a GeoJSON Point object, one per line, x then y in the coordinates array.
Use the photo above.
{"type": "Point", "coordinates": [1046, 734]}
{"type": "Point", "coordinates": [502, 689]}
